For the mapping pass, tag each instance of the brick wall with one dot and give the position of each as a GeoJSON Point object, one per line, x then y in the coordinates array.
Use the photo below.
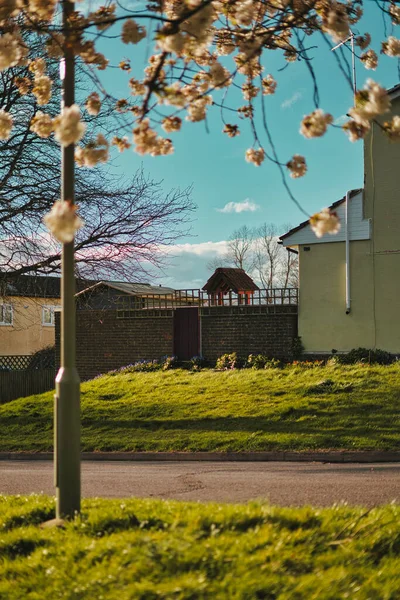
{"type": "Point", "coordinates": [105, 342]}
{"type": "Point", "coordinates": [268, 331]}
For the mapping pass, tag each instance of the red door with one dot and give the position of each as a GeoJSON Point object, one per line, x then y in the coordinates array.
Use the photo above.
{"type": "Point", "coordinates": [186, 333]}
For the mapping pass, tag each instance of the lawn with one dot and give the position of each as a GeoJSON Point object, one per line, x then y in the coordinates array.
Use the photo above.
{"type": "Point", "coordinates": [295, 408]}
{"type": "Point", "coordinates": [152, 550]}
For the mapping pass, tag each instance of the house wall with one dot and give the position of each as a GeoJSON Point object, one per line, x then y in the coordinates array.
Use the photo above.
{"type": "Point", "coordinates": [27, 334]}
{"type": "Point", "coordinates": [323, 322]}
{"type": "Point", "coordinates": [382, 205]}
{"type": "Point", "coordinates": [105, 342]}
{"type": "Point", "coordinates": [373, 321]}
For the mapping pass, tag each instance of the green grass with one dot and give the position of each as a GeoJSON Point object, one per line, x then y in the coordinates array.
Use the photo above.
{"type": "Point", "coordinates": [152, 550]}
{"type": "Point", "coordinates": [295, 408]}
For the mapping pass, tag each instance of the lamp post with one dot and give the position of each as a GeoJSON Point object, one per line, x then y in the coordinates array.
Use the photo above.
{"type": "Point", "coordinates": [67, 396]}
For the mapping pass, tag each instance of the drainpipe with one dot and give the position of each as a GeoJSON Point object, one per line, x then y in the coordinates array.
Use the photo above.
{"type": "Point", "coordinates": [347, 233]}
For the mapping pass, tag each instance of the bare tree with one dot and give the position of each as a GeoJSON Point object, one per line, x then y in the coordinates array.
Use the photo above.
{"type": "Point", "coordinates": [128, 221]}
{"type": "Point", "coordinates": [239, 252]}
{"type": "Point", "coordinates": [257, 251]}
{"type": "Point", "coordinates": [267, 254]}
{"type": "Point", "coordinates": [274, 265]}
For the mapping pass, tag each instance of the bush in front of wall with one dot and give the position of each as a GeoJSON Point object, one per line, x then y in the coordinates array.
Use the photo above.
{"type": "Point", "coordinates": [364, 355]}
{"type": "Point", "coordinates": [260, 361]}
{"type": "Point", "coordinates": [227, 362]}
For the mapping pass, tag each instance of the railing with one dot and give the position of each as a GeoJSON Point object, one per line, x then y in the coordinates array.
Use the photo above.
{"type": "Point", "coordinates": [201, 299]}
{"type": "Point", "coordinates": [15, 363]}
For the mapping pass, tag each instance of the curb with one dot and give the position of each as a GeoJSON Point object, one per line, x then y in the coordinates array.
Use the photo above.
{"type": "Point", "coordinates": [325, 457]}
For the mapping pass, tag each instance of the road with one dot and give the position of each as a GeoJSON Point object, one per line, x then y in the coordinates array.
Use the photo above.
{"type": "Point", "coordinates": [285, 484]}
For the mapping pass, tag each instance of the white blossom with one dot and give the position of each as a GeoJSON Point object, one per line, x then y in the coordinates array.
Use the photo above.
{"type": "Point", "coordinates": [197, 109]}
{"type": "Point", "coordinates": [315, 124]}
{"type": "Point", "coordinates": [121, 143]}
{"type": "Point", "coordinates": [23, 84]}
{"type": "Point", "coordinates": [268, 85]}
{"type": "Point", "coordinates": [363, 41]}
{"type": "Point", "coordinates": [93, 153]}
{"type": "Point", "coordinates": [370, 59]}
{"type": "Point", "coordinates": [63, 221]}
{"type": "Point", "coordinates": [12, 50]}
{"type": "Point", "coordinates": [395, 13]}
{"type": "Point", "coordinates": [372, 101]}
{"type": "Point", "coordinates": [93, 104]}
{"type": "Point", "coordinates": [335, 21]}
{"type": "Point", "coordinates": [220, 77]}
{"type": "Point", "coordinates": [42, 9]}
{"type": "Point", "coordinates": [42, 89]}
{"type": "Point", "coordinates": [244, 13]}
{"type": "Point", "coordinates": [8, 8]}
{"type": "Point", "coordinates": [392, 128]}
{"type": "Point", "coordinates": [42, 124]}
{"type": "Point", "coordinates": [68, 128]}
{"type": "Point", "coordinates": [392, 46]}
{"type": "Point", "coordinates": [38, 66]}
{"type": "Point", "coordinates": [138, 88]}
{"type": "Point", "coordinates": [148, 142]}
{"type": "Point", "coordinates": [132, 33]}
{"type": "Point", "coordinates": [325, 221]}
{"type": "Point", "coordinates": [231, 130]}
{"type": "Point", "coordinates": [355, 130]}
{"type": "Point", "coordinates": [171, 124]}
{"type": "Point", "coordinates": [255, 156]}
{"type": "Point", "coordinates": [297, 166]}
{"type": "Point", "coordinates": [6, 123]}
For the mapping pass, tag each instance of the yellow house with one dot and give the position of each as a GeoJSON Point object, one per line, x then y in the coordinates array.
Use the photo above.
{"type": "Point", "coordinates": [349, 292]}
{"type": "Point", "coordinates": [27, 307]}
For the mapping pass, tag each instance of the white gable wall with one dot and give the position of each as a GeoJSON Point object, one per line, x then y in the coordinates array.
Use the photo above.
{"type": "Point", "coordinates": [359, 228]}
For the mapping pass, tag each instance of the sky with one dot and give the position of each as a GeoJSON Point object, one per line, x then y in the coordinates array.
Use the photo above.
{"type": "Point", "coordinates": [230, 192]}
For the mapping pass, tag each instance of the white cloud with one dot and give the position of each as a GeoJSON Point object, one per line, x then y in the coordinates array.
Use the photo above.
{"type": "Point", "coordinates": [205, 249]}
{"type": "Point", "coordinates": [292, 100]}
{"type": "Point", "coordinates": [239, 207]}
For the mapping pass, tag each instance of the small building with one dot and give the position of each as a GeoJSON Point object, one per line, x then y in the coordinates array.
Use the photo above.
{"type": "Point", "coordinates": [227, 280]}
{"type": "Point", "coordinates": [350, 282]}
{"type": "Point", "coordinates": [122, 294]}
{"type": "Point", "coordinates": [27, 305]}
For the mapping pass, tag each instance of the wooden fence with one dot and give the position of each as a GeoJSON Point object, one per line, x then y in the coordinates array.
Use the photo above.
{"type": "Point", "coordinates": [17, 384]}
{"type": "Point", "coordinates": [198, 298]}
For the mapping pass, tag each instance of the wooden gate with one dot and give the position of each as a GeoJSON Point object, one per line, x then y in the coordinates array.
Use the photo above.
{"type": "Point", "coordinates": [186, 333]}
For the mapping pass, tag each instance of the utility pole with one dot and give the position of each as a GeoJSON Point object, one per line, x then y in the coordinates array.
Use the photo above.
{"type": "Point", "coordinates": [67, 397]}
{"type": "Point", "coordinates": [353, 61]}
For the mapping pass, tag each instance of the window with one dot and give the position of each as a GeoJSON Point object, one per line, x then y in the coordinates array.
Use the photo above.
{"type": "Point", "coordinates": [6, 314]}
{"type": "Point", "coordinates": [48, 316]}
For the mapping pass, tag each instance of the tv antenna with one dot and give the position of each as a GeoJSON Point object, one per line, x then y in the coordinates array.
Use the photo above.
{"type": "Point", "coordinates": [353, 60]}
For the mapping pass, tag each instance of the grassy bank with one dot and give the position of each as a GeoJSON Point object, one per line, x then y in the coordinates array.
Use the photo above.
{"type": "Point", "coordinates": [148, 550]}
{"type": "Point", "coordinates": [295, 408]}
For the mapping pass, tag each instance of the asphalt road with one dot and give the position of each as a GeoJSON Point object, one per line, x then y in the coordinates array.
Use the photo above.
{"type": "Point", "coordinates": [283, 484]}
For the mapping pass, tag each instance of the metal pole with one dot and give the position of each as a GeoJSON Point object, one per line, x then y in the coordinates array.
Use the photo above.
{"type": "Point", "coordinates": [353, 62]}
{"type": "Point", "coordinates": [67, 396]}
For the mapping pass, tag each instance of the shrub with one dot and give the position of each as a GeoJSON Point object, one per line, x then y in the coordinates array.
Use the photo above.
{"type": "Point", "coordinates": [297, 349]}
{"type": "Point", "coordinates": [43, 359]}
{"type": "Point", "coordinates": [256, 361]}
{"type": "Point", "coordinates": [169, 362]}
{"type": "Point", "coordinates": [260, 361]}
{"type": "Point", "coordinates": [380, 357]}
{"type": "Point", "coordinates": [196, 363]}
{"type": "Point", "coordinates": [227, 361]}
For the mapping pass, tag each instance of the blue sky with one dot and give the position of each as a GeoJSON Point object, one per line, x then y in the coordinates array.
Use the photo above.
{"type": "Point", "coordinates": [214, 164]}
